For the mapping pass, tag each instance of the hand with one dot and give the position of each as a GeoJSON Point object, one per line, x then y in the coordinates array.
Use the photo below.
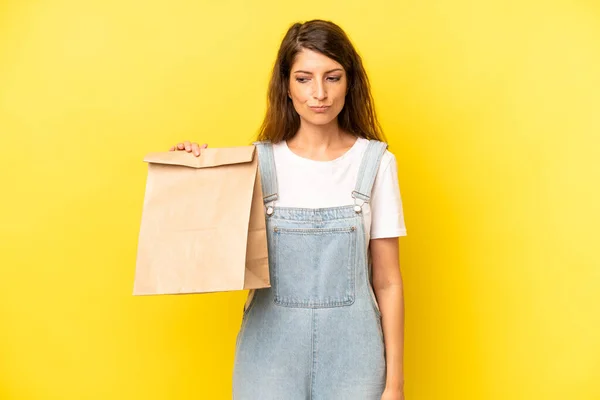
{"type": "Point", "coordinates": [189, 147]}
{"type": "Point", "coordinates": [393, 394]}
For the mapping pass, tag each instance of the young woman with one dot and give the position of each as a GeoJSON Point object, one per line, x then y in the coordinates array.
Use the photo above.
{"type": "Point", "coordinates": [331, 324]}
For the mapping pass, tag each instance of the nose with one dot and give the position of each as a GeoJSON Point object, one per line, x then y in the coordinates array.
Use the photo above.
{"type": "Point", "coordinates": [319, 91]}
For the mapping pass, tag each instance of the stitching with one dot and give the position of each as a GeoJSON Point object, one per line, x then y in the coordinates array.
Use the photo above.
{"type": "Point", "coordinates": [285, 302]}
{"type": "Point", "coordinates": [314, 352]}
{"type": "Point", "coordinates": [314, 231]}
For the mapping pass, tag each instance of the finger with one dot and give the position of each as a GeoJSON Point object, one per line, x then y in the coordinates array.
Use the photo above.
{"type": "Point", "coordinates": [196, 149]}
{"type": "Point", "coordinates": [204, 146]}
{"type": "Point", "coordinates": [188, 146]}
{"type": "Point", "coordinates": [172, 148]}
{"type": "Point", "coordinates": [180, 146]}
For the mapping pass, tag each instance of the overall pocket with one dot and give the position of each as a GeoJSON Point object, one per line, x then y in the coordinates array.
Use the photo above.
{"type": "Point", "coordinates": [314, 267]}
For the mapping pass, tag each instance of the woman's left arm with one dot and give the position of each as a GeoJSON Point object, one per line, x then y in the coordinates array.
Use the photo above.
{"type": "Point", "coordinates": [387, 285]}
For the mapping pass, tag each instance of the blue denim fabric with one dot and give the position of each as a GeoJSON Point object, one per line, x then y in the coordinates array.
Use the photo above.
{"type": "Point", "coordinates": [316, 332]}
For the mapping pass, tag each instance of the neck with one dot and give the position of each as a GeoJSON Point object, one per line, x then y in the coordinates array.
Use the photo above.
{"type": "Point", "coordinates": [318, 136]}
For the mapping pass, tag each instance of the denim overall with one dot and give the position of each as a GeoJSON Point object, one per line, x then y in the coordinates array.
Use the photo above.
{"type": "Point", "coordinates": [315, 334]}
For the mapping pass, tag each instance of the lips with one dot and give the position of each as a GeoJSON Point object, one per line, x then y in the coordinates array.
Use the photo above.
{"type": "Point", "coordinates": [319, 108]}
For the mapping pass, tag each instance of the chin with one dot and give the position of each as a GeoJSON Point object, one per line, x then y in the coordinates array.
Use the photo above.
{"type": "Point", "coordinates": [320, 121]}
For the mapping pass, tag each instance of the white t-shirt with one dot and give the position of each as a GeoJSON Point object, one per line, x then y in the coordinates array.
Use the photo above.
{"type": "Point", "coordinates": [305, 183]}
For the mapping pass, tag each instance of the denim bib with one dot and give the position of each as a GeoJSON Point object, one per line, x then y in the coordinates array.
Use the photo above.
{"type": "Point", "coordinates": [316, 332]}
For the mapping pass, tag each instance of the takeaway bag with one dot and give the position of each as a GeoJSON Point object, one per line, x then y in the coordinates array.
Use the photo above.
{"type": "Point", "coordinates": [203, 225]}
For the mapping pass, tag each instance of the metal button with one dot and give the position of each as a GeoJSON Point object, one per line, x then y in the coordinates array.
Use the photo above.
{"type": "Point", "coordinates": [358, 209]}
{"type": "Point", "coordinates": [269, 210]}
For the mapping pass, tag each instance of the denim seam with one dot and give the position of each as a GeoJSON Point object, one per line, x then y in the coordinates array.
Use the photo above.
{"type": "Point", "coordinates": [314, 352]}
{"type": "Point", "coordinates": [354, 265]}
{"type": "Point", "coordinates": [275, 217]}
{"type": "Point", "coordinates": [286, 302]}
{"type": "Point", "coordinates": [367, 281]}
{"type": "Point", "coordinates": [313, 231]}
{"type": "Point", "coordinates": [276, 267]}
{"type": "Point", "coordinates": [317, 210]}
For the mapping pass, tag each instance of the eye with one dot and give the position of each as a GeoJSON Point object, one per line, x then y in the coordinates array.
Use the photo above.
{"type": "Point", "coordinates": [334, 78]}
{"type": "Point", "coordinates": [302, 79]}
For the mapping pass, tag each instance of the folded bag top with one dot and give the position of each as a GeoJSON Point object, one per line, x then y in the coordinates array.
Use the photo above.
{"type": "Point", "coordinates": [210, 157]}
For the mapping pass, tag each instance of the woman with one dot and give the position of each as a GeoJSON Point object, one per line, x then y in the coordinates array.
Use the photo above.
{"type": "Point", "coordinates": [331, 324]}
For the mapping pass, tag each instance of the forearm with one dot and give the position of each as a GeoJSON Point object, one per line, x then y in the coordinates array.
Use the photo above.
{"type": "Point", "coordinates": [391, 303]}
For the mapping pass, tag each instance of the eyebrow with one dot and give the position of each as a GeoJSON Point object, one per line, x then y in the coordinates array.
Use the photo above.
{"type": "Point", "coordinates": [310, 73]}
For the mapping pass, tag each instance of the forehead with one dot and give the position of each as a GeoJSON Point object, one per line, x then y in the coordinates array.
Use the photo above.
{"type": "Point", "coordinates": [312, 61]}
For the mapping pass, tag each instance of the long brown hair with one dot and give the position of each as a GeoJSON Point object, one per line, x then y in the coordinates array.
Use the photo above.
{"type": "Point", "coordinates": [358, 115]}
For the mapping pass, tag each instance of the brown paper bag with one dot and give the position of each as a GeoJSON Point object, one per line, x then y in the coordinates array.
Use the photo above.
{"type": "Point", "coordinates": [203, 224]}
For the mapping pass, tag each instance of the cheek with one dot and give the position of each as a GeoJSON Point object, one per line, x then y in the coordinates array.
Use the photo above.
{"type": "Point", "coordinates": [298, 101]}
{"type": "Point", "coordinates": [340, 99]}
{"type": "Point", "coordinates": [299, 93]}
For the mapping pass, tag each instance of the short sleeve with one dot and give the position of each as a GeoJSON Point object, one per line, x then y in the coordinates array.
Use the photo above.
{"type": "Point", "coordinates": [387, 216]}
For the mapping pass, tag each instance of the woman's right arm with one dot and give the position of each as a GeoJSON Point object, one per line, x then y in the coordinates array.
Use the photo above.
{"type": "Point", "coordinates": [189, 147]}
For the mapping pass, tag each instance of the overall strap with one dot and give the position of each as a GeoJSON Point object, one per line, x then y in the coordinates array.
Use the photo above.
{"type": "Point", "coordinates": [368, 170]}
{"type": "Point", "coordinates": [268, 174]}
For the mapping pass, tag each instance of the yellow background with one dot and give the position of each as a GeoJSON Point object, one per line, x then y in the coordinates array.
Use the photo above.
{"type": "Point", "coordinates": [491, 107]}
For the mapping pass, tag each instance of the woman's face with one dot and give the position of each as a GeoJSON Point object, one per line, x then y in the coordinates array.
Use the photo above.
{"type": "Point", "coordinates": [317, 87]}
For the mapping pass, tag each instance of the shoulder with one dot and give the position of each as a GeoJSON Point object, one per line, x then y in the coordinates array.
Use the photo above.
{"type": "Point", "coordinates": [279, 149]}
{"type": "Point", "coordinates": [388, 159]}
